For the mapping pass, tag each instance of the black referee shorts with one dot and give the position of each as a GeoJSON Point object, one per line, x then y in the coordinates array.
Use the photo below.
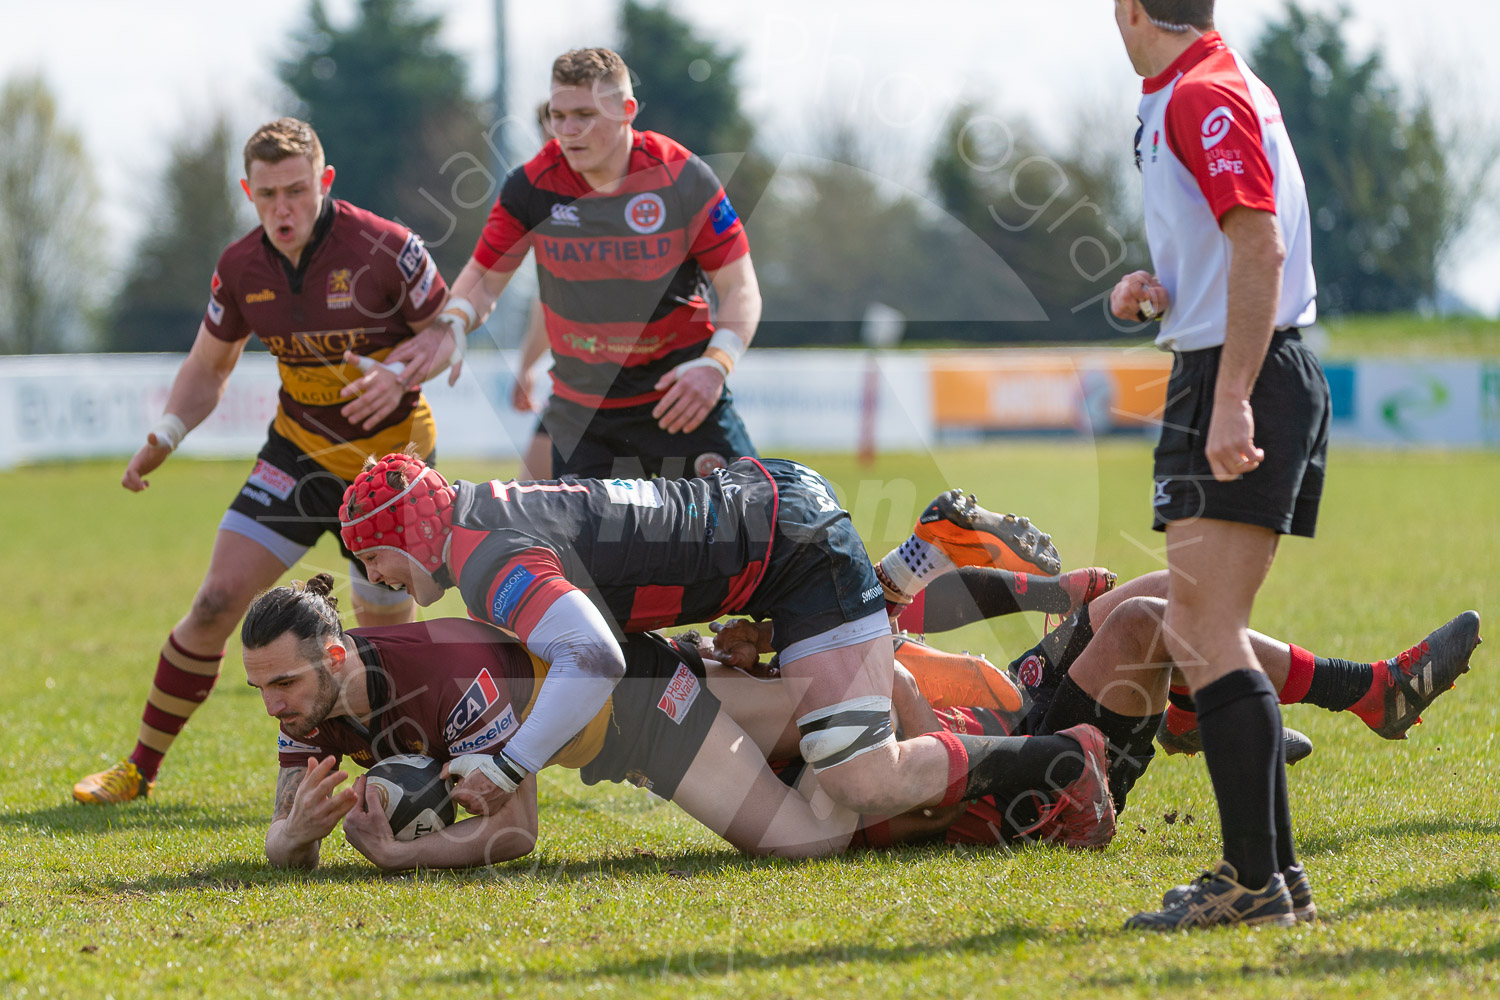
{"type": "Point", "coordinates": [1290, 403]}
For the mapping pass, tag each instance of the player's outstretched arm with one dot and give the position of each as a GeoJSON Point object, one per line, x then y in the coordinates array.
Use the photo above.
{"type": "Point", "coordinates": [505, 835]}
{"type": "Point", "coordinates": [693, 387]}
{"type": "Point", "coordinates": [443, 343]}
{"type": "Point", "coordinates": [307, 810]}
{"type": "Point", "coordinates": [586, 663]}
{"type": "Point", "coordinates": [196, 390]}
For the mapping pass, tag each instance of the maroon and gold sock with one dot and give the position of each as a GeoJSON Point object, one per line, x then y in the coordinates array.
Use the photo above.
{"type": "Point", "coordinates": [182, 683]}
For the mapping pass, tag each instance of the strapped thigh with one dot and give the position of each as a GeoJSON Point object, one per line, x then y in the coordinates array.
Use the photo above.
{"type": "Point", "coordinates": [844, 731]}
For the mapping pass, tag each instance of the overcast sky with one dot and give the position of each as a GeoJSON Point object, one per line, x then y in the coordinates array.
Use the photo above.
{"type": "Point", "coordinates": [130, 75]}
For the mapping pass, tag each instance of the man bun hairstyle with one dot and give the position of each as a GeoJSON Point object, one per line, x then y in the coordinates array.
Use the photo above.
{"type": "Point", "coordinates": [307, 610]}
{"type": "Point", "coordinates": [283, 139]}
{"type": "Point", "coordinates": [1180, 15]}
{"type": "Point", "coordinates": [599, 68]}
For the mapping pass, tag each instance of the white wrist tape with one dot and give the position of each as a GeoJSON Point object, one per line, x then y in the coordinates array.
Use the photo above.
{"type": "Point", "coordinates": [464, 318]}
{"type": "Point", "coordinates": [729, 342]}
{"type": "Point", "coordinates": [365, 364]}
{"type": "Point", "coordinates": [168, 432]}
{"type": "Point", "coordinates": [502, 772]}
{"type": "Point", "coordinates": [703, 363]}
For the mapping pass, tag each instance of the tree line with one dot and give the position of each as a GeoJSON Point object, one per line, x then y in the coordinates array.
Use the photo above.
{"type": "Point", "coordinates": [1010, 240]}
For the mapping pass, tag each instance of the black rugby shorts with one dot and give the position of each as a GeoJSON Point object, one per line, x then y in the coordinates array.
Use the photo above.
{"type": "Point", "coordinates": [1291, 406]}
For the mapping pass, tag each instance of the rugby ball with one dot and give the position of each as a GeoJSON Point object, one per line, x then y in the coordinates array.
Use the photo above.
{"type": "Point", "coordinates": [414, 793]}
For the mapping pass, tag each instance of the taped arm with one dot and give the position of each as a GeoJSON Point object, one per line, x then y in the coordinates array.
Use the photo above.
{"type": "Point", "coordinates": [586, 664]}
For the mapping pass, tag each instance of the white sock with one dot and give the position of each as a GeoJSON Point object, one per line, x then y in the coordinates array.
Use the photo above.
{"type": "Point", "coordinates": [913, 564]}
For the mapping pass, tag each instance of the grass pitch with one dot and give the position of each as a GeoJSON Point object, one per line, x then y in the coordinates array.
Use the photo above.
{"type": "Point", "coordinates": [173, 898]}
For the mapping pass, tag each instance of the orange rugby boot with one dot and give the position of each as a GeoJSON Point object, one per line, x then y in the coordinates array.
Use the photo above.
{"type": "Point", "coordinates": [968, 534]}
{"type": "Point", "coordinates": [957, 680]}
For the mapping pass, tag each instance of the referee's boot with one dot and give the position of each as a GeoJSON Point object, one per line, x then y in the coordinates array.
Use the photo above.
{"type": "Point", "coordinates": [1178, 733]}
{"type": "Point", "coordinates": [1217, 899]}
{"type": "Point", "coordinates": [1407, 683]}
{"type": "Point", "coordinates": [968, 534]}
{"type": "Point", "coordinates": [120, 783]}
{"type": "Point", "coordinates": [1297, 886]}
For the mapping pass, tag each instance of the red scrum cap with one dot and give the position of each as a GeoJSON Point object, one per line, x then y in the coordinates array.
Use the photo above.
{"type": "Point", "coordinates": [399, 503]}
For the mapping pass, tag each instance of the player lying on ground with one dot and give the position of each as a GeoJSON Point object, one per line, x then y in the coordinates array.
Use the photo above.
{"type": "Point", "coordinates": [1118, 680]}
{"type": "Point", "coordinates": [453, 687]}
{"type": "Point", "coordinates": [1115, 678]}
{"type": "Point", "coordinates": [766, 539]}
{"type": "Point", "coordinates": [1388, 695]}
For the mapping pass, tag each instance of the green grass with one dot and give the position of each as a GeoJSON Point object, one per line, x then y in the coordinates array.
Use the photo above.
{"type": "Point", "coordinates": [1407, 336]}
{"type": "Point", "coordinates": [173, 898]}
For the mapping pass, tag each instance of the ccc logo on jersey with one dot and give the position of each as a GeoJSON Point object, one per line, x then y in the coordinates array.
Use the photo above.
{"type": "Point", "coordinates": [645, 213]}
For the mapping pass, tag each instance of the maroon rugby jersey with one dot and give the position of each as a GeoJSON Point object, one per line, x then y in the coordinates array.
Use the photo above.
{"type": "Point", "coordinates": [650, 552]}
{"type": "Point", "coordinates": [360, 283]}
{"type": "Point", "coordinates": [622, 278]}
{"type": "Point", "coordinates": [441, 688]}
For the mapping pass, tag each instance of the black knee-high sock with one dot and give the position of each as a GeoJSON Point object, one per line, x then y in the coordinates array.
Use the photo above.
{"type": "Point", "coordinates": [1021, 774]}
{"type": "Point", "coordinates": [1131, 739]}
{"type": "Point", "coordinates": [1009, 764]}
{"type": "Point", "coordinates": [975, 593]}
{"type": "Point", "coordinates": [1286, 852]}
{"type": "Point", "coordinates": [1338, 684]}
{"type": "Point", "coordinates": [1241, 730]}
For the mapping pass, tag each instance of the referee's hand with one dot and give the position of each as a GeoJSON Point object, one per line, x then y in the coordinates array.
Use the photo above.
{"type": "Point", "coordinates": [1139, 297]}
{"type": "Point", "coordinates": [1231, 446]}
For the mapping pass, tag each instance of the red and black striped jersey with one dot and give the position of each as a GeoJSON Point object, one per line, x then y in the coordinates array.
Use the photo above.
{"type": "Point", "coordinates": [440, 688]}
{"type": "Point", "coordinates": [623, 287]}
{"type": "Point", "coordinates": [360, 284]}
{"type": "Point", "coordinates": [649, 552]}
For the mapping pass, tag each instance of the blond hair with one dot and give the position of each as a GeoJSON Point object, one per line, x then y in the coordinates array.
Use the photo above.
{"type": "Point", "coordinates": [282, 139]}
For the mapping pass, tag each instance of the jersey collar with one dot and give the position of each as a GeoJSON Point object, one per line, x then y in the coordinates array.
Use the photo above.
{"type": "Point", "coordinates": [294, 275]}
{"type": "Point", "coordinates": [1204, 46]}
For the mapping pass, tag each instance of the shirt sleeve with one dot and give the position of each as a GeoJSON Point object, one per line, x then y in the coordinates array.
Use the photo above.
{"type": "Point", "coordinates": [512, 589]}
{"type": "Point", "coordinates": [295, 753]}
{"type": "Point", "coordinates": [1215, 132]}
{"type": "Point", "coordinates": [715, 234]}
{"type": "Point", "coordinates": [423, 287]}
{"type": "Point", "coordinates": [506, 237]}
{"type": "Point", "coordinates": [223, 318]}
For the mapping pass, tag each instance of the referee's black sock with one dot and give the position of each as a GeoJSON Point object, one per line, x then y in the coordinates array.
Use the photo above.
{"type": "Point", "coordinates": [1241, 730]}
{"type": "Point", "coordinates": [1286, 852]}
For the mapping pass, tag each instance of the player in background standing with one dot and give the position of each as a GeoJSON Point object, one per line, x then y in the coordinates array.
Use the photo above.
{"type": "Point", "coordinates": [536, 461]}
{"type": "Point", "coordinates": [330, 289]}
{"type": "Point", "coordinates": [1245, 431]}
{"type": "Point", "coordinates": [630, 229]}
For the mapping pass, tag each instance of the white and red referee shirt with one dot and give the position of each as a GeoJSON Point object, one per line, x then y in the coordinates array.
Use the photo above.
{"type": "Point", "coordinates": [1211, 139]}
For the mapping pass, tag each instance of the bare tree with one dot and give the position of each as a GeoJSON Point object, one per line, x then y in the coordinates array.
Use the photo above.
{"type": "Point", "coordinates": [50, 270]}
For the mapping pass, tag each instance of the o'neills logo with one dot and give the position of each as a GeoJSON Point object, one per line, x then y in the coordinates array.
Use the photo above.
{"type": "Point", "coordinates": [264, 295]}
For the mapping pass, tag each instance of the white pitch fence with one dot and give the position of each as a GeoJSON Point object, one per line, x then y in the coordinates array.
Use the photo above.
{"type": "Point", "coordinates": [88, 406]}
